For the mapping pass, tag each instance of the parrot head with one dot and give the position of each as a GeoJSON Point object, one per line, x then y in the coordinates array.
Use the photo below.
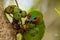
{"type": "Point", "coordinates": [33, 19]}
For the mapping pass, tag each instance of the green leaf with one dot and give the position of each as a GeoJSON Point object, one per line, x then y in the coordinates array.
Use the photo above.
{"type": "Point", "coordinates": [37, 32]}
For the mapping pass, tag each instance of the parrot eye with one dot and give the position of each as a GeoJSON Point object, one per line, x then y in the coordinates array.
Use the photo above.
{"type": "Point", "coordinates": [35, 17]}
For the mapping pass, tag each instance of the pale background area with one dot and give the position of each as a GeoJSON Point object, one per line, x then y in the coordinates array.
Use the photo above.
{"type": "Point", "coordinates": [51, 18]}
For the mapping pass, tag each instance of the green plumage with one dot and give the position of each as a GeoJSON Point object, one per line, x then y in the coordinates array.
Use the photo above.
{"type": "Point", "coordinates": [37, 32]}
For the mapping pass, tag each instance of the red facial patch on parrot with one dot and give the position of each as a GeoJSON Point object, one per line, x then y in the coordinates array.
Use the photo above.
{"type": "Point", "coordinates": [28, 16]}
{"type": "Point", "coordinates": [36, 20]}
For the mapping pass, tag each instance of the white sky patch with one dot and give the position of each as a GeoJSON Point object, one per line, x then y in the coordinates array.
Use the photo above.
{"type": "Point", "coordinates": [6, 3]}
{"type": "Point", "coordinates": [23, 4]}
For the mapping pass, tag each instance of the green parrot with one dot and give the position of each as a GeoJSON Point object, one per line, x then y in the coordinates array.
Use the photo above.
{"type": "Point", "coordinates": [38, 29]}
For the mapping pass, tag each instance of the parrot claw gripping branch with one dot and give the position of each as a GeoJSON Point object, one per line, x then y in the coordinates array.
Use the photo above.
{"type": "Point", "coordinates": [34, 26]}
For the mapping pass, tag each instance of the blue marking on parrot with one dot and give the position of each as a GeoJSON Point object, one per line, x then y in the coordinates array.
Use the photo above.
{"type": "Point", "coordinates": [32, 18]}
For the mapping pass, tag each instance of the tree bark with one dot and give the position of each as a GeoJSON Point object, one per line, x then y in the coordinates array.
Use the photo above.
{"type": "Point", "coordinates": [6, 30]}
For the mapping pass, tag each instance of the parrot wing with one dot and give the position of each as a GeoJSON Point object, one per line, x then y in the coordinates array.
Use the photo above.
{"type": "Point", "coordinates": [36, 33]}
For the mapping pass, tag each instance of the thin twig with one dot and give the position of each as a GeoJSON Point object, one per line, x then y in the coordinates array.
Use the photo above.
{"type": "Point", "coordinates": [17, 3]}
